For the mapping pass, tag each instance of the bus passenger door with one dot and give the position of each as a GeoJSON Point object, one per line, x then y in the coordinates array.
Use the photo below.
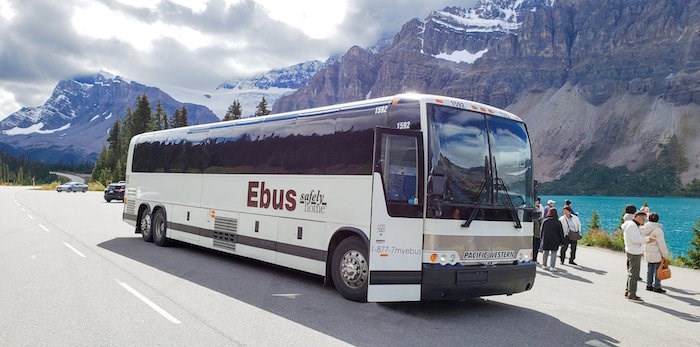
{"type": "Point", "coordinates": [396, 232]}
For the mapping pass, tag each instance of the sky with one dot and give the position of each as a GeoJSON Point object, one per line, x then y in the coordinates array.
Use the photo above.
{"type": "Point", "coordinates": [195, 44]}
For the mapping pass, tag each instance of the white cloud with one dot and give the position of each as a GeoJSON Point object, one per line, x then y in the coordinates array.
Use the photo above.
{"type": "Point", "coordinates": [8, 104]}
{"type": "Point", "coordinates": [195, 44]}
{"type": "Point", "coordinates": [100, 22]}
{"type": "Point", "coordinates": [6, 10]}
{"type": "Point", "coordinates": [149, 4]}
{"type": "Point", "coordinates": [316, 18]}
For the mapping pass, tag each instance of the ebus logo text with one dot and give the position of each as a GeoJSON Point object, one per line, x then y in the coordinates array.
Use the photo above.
{"type": "Point", "coordinates": [259, 196]}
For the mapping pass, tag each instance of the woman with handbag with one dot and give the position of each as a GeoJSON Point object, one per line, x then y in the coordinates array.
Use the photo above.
{"type": "Point", "coordinates": [552, 237]}
{"type": "Point", "coordinates": [654, 252]}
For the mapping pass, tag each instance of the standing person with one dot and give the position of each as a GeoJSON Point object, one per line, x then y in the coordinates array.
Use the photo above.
{"type": "Point", "coordinates": [654, 252]}
{"type": "Point", "coordinates": [571, 226]}
{"type": "Point", "coordinates": [552, 238]}
{"type": "Point", "coordinates": [646, 210]}
{"type": "Point", "coordinates": [630, 210]}
{"type": "Point", "coordinates": [539, 207]}
{"type": "Point", "coordinates": [550, 204]}
{"type": "Point", "coordinates": [634, 242]}
{"type": "Point", "coordinates": [536, 228]}
{"type": "Point", "coordinates": [567, 203]}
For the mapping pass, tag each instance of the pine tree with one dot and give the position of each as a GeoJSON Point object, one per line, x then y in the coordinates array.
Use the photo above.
{"type": "Point", "coordinates": [594, 224]}
{"type": "Point", "coordinates": [183, 117]}
{"type": "Point", "coordinates": [159, 119]}
{"type": "Point", "coordinates": [175, 119]}
{"type": "Point", "coordinates": [234, 111]}
{"type": "Point", "coordinates": [693, 258]}
{"type": "Point", "coordinates": [141, 117]}
{"type": "Point", "coordinates": [261, 109]}
{"type": "Point", "coordinates": [99, 165]}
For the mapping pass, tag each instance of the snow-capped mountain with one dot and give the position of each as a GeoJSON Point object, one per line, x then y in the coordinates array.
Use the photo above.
{"type": "Point", "coordinates": [249, 92]}
{"type": "Point", "coordinates": [609, 82]}
{"type": "Point", "coordinates": [73, 123]}
{"type": "Point", "coordinates": [463, 35]}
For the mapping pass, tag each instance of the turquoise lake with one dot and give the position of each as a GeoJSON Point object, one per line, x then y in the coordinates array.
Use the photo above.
{"type": "Point", "coordinates": [677, 215]}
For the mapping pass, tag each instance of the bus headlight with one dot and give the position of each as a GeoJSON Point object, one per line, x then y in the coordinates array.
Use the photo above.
{"type": "Point", "coordinates": [524, 255]}
{"type": "Point", "coordinates": [441, 257]}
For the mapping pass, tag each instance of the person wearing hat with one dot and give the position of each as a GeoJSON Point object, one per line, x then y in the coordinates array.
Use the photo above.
{"type": "Point", "coordinates": [567, 203]}
{"type": "Point", "coordinates": [550, 204]}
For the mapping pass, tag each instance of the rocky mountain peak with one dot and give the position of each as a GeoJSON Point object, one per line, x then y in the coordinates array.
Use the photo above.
{"type": "Point", "coordinates": [611, 79]}
{"type": "Point", "coordinates": [291, 77]}
{"type": "Point", "coordinates": [72, 124]}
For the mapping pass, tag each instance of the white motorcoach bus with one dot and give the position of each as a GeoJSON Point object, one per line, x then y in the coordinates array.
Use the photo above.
{"type": "Point", "coordinates": [404, 198]}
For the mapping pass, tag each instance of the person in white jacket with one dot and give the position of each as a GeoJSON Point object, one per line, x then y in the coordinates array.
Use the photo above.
{"type": "Point", "coordinates": [654, 252]}
{"type": "Point", "coordinates": [634, 248]}
{"type": "Point", "coordinates": [572, 233]}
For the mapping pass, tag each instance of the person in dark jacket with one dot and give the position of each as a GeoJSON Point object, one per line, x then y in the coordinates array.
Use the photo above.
{"type": "Point", "coordinates": [552, 237]}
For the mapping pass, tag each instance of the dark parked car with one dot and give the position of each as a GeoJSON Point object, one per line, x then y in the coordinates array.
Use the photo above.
{"type": "Point", "coordinates": [72, 187]}
{"type": "Point", "coordinates": [115, 191]}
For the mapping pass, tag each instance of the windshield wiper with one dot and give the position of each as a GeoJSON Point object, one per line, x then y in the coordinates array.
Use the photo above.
{"type": "Point", "coordinates": [482, 190]}
{"type": "Point", "coordinates": [500, 185]}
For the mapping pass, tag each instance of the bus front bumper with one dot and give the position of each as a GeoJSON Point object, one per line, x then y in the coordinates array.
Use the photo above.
{"type": "Point", "coordinates": [454, 282]}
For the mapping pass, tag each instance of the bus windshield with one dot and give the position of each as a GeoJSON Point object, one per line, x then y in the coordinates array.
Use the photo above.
{"type": "Point", "coordinates": [486, 159]}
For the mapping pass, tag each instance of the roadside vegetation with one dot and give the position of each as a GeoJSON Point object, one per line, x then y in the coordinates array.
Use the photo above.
{"type": "Point", "coordinates": [92, 186]}
{"type": "Point", "coordinates": [597, 237]}
{"type": "Point", "coordinates": [22, 171]}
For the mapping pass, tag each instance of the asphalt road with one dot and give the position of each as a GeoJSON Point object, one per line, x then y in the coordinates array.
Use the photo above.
{"type": "Point", "coordinates": [69, 177]}
{"type": "Point", "coordinates": [72, 273]}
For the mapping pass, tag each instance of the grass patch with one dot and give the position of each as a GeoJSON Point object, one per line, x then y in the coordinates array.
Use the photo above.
{"type": "Point", "coordinates": [616, 242]}
{"type": "Point", "coordinates": [92, 186]}
{"type": "Point", "coordinates": [96, 186]}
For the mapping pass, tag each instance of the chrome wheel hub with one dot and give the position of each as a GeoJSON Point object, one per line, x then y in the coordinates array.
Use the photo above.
{"type": "Point", "coordinates": [146, 223]}
{"type": "Point", "coordinates": [353, 269]}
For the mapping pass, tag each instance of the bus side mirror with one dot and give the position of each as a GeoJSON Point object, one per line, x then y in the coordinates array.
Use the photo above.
{"type": "Point", "coordinates": [436, 182]}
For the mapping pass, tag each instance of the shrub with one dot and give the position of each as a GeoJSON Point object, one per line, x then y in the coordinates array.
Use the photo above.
{"type": "Point", "coordinates": [96, 186]}
{"type": "Point", "coordinates": [50, 186]}
{"type": "Point", "coordinates": [693, 258]}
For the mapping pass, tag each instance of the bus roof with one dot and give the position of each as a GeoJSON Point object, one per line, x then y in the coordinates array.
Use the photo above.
{"type": "Point", "coordinates": [427, 98]}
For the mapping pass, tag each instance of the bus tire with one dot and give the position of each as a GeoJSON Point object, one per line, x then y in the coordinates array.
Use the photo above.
{"type": "Point", "coordinates": [145, 225]}
{"type": "Point", "coordinates": [350, 269]}
{"type": "Point", "coordinates": [159, 227]}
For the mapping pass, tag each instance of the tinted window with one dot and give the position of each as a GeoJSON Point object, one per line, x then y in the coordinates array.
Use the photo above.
{"type": "Point", "coordinates": [512, 159]}
{"type": "Point", "coordinates": [338, 143]}
{"type": "Point", "coordinates": [458, 142]}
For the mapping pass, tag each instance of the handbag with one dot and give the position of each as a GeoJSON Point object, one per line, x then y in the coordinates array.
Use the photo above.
{"type": "Point", "coordinates": [663, 272]}
{"type": "Point", "coordinates": [574, 235]}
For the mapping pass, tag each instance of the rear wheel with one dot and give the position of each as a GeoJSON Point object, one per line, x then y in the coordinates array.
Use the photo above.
{"type": "Point", "coordinates": [350, 269]}
{"type": "Point", "coordinates": [145, 226]}
{"type": "Point", "coordinates": [108, 200]}
{"type": "Point", "coordinates": [159, 229]}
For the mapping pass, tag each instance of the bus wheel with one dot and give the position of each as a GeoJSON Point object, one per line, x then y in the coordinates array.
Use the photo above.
{"type": "Point", "coordinates": [350, 269]}
{"type": "Point", "coordinates": [159, 227]}
{"type": "Point", "coordinates": [145, 226]}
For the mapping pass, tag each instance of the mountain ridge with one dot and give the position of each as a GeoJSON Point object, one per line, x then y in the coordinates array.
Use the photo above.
{"type": "Point", "coordinates": [618, 78]}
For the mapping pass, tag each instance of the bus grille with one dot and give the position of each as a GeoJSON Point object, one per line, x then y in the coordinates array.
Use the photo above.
{"type": "Point", "coordinates": [225, 233]}
{"type": "Point", "coordinates": [227, 225]}
{"type": "Point", "coordinates": [130, 206]}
